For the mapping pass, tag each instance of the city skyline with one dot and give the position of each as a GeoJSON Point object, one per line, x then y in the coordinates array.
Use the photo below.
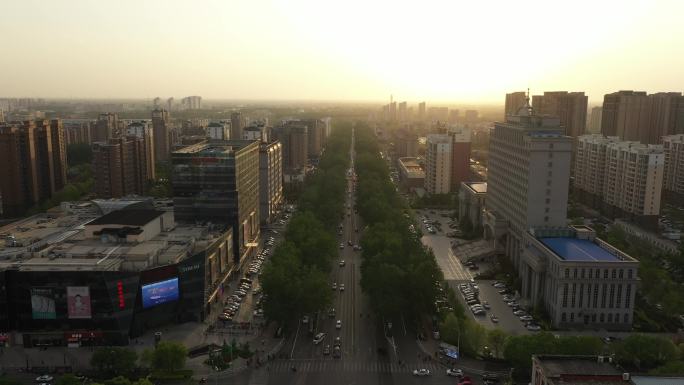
{"type": "Point", "coordinates": [340, 51]}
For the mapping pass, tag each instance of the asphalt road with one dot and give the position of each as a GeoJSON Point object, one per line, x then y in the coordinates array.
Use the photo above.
{"type": "Point", "coordinates": [368, 355]}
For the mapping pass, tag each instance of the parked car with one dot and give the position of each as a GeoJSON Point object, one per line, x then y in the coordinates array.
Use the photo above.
{"type": "Point", "coordinates": [533, 327]}
{"type": "Point", "coordinates": [454, 372]}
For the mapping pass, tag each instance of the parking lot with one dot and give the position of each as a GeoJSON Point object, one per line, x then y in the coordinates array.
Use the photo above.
{"type": "Point", "coordinates": [457, 272]}
{"type": "Point", "coordinates": [496, 313]}
{"type": "Point", "coordinates": [243, 303]}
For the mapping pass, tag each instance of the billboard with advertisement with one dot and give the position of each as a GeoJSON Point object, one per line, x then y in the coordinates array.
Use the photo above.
{"type": "Point", "coordinates": [161, 292]}
{"type": "Point", "coordinates": [43, 303]}
{"type": "Point", "coordinates": [78, 302]}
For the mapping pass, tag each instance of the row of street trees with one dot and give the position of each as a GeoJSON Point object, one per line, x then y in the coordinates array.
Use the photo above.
{"type": "Point", "coordinates": [398, 273]}
{"type": "Point", "coordinates": [296, 280]}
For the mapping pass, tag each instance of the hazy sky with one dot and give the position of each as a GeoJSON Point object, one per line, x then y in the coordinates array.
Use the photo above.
{"type": "Point", "coordinates": [455, 50]}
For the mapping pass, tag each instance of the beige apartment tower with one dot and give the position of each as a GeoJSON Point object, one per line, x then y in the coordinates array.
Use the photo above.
{"type": "Point", "coordinates": [514, 102]}
{"type": "Point", "coordinates": [438, 164]}
{"type": "Point", "coordinates": [569, 107]}
{"type": "Point", "coordinates": [623, 179]}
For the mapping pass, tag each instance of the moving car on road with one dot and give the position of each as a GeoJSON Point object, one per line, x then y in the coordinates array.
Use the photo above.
{"type": "Point", "coordinates": [342, 262]}
{"type": "Point", "coordinates": [454, 372]}
{"type": "Point", "coordinates": [318, 338]}
{"type": "Point", "coordinates": [338, 324]}
{"type": "Point", "coordinates": [44, 378]}
{"type": "Point", "coordinates": [421, 372]}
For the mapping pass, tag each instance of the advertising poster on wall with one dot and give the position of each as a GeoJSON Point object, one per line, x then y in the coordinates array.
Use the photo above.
{"type": "Point", "coordinates": [78, 302]}
{"type": "Point", "coordinates": [43, 303]}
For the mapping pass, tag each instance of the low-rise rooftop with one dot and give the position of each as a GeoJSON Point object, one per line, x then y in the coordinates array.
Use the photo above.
{"type": "Point", "coordinates": [573, 249]}
{"type": "Point", "coordinates": [477, 187]}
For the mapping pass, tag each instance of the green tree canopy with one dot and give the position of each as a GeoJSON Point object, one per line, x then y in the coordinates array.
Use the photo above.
{"type": "Point", "coordinates": [169, 356]}
{"type": "Point", "coordinates": [645, 352]}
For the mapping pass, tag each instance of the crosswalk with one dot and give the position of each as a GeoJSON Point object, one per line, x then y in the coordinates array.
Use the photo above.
{"type": "Point", "coordinates": [449, 263]}
{"type": "Point", "coordinates": [315, 366]}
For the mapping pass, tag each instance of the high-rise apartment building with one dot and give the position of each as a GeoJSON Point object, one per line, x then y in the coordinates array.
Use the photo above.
{"type": "Point", "coordinates": [625, 114]}
{"type": "Point", "coordinates": [270, 180]}
{"type": "Point", "coordinates": [237, 124]}
{"type": "Point", "coordinates": [622, 178]}
{"type": "Point", "coordinates": [460, 156]}
{"type": "Point", "coordinates": [34, 155]}
{"type": "Point", "coordinates": [50, 155]}
{"type": "Point", "coordinates": [421, 112]}
{"type": "Point", "coordinates": [191, 103]}
{"type": "Point", "coordinates": [219, 130]}
{"type": "Point", "coordinates": [514, 102]}
{"type": "Point", "coordinates": [454, 116]}
{"type": "Point", "coordinates": [218, 182]}
{"type": "Point", "coordinates": [120, 166]}
{"type": "Point", "coordinates": [77, 131]}
{"type": "Point", "coordinates": [471, 116]}
{"type": "Point", "coordinates": [569, 107]}
{"type": "Point", "coordinates": [143, 130]}
{"type": "Point", "coordinates": [316, 136]}
{"type": "Point", "coordinates": [595, 120]}
{"type": "Point", "coordinates": [294, 137]}
{"type": "Point", "coordinates": [528, 176]}
{"type": "Point", "coordinates": [666, 112]}
{"type": "Point", "coordinates": [438, 160]}
{"type": "Point", "coordinates": [19, 183]}
{"type": "Point", "coordinates": [393, 111]}
{"type": "Point", "coordinates": [439, 114]}
{"type": "Point", "coordinates": [636, 116]}
{"type": "Point", "coordinates": [161, 131]}
{"type": "Point", "coordinates": [673, 179]}
{"type": "Point", "coordinates": [402, 112]}
{"type": "Point", "coordinates": [405, 144]}
{"type": "Point", "coordinates": [105, 127]}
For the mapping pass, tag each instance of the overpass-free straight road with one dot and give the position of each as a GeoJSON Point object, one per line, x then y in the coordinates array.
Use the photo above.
{"type": "Point", "coordinates": [362, 335]}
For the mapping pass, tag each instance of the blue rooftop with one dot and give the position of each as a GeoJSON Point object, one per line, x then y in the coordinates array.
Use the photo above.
{"type": "Point", "coordinates": [573, 249]}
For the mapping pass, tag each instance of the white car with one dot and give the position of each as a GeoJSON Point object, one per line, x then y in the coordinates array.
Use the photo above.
{"type": "Point", "coordinates": [334, 286]}
{"type": "Point", "coordinates": [338, 324]}
{"type": "Point", "coordinates": [533, 327]}
{"type": "Point", "coordinates": [454, 372]}
{"type": "Point", "coordinates": [342, 262]}
{"type": "Point", "coordinates": [305, 320]}
{"type": "Point", "coordinates": [421, 372]}
{"type": "Point", "coordinates": [318, 338]}
{"type": "Point", "coordinates": [44, 378]}
{"type": "Point", "coordinates": [341, 245]}
{"type": "Point", "coordinates": [341, 287]}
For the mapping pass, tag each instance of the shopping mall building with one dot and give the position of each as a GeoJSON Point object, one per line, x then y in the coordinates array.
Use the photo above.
{"type": "Point", "coordinates": [71, 280]}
